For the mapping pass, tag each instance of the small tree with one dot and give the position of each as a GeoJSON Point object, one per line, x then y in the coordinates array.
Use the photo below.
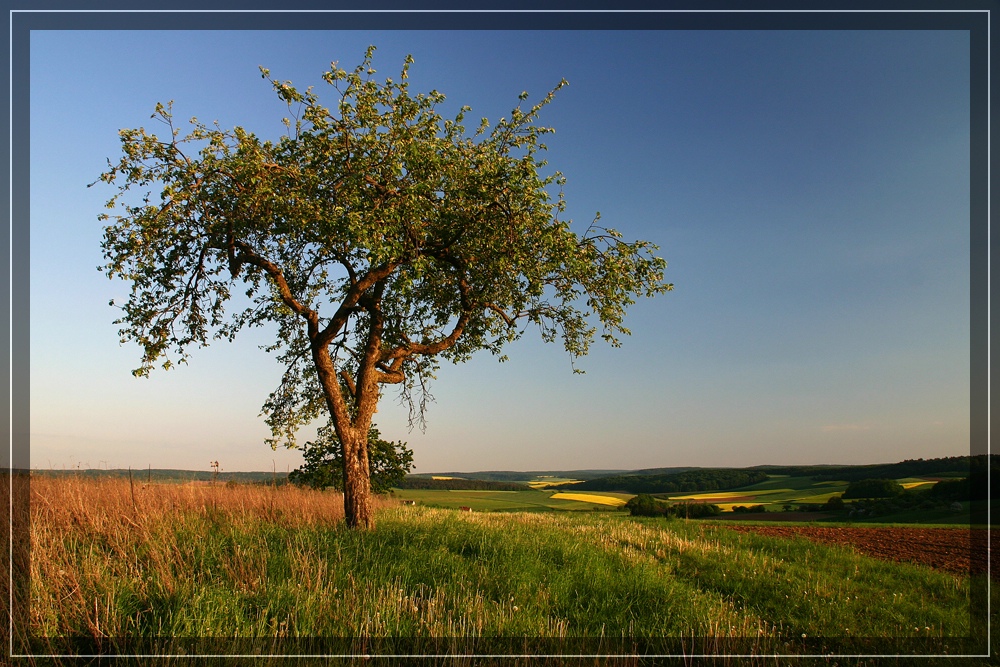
{"type": "Point", "coordinates": [388, 462]}
{"type": "Point", "coordinates": [835, 503]}
{"type": "Point", "coordinates": [873, 488]}
{"type": "Point", "coordinates": [378, 237]}
{"type": "Point", "coordinates": [645, 505]}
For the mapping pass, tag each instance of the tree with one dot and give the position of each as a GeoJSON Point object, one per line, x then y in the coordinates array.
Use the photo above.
{"type": "Point", "coordinates": [379, 237]}
{"type": "Point", "coordinates": [873, 488]}
{"type": "Point", "coordinates": [645, 505]}
{"type": "Point", "coordinates": [388, 462]}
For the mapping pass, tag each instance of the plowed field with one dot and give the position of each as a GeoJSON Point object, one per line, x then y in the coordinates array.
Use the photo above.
{"type": "Point", "coordinates": [952, 549]}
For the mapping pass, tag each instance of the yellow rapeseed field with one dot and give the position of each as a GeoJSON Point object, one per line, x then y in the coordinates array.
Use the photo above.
{"type": "Point", "coordinates": [589, 498]}
{"type": "Point", "coordinates": [715, 496]}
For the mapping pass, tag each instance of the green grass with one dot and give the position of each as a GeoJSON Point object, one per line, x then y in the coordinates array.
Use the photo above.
{"type": "Point", "coordinates": [233, 563]}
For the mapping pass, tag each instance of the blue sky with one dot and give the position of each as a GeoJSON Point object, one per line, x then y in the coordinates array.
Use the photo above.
{"type": "Point", "coordinates": [809, 190]}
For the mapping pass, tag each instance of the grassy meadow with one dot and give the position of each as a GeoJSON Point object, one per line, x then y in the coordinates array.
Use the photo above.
{"type": "Point", "coordinates": [110, 561]}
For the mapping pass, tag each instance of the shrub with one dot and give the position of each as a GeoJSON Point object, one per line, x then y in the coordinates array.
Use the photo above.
{"type": "Point", "coordinates": [645, 505]}
{"type": "Point", "coordinates": [952, 489]}
{"type": "Point", "coordinates": [694, 510]}
{"type": "Point", "coordinates": [873, 488]}
{"type": "Point", "coordinates": [835, 503]}
{"type": "Point", "coordinates": [743, 509]}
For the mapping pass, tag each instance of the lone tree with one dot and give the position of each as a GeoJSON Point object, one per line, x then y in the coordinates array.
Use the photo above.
{"type": "Point", "coordinates": [378, 237]}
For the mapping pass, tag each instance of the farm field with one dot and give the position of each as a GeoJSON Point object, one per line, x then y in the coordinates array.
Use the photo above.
{"type": "Point", "coordinates": [533, 500]}
{"type": "Point", "coordinates": [777, 494]}
{"type": "Point", "coordinates": [277, 563]}
{"type": "Point", "coordinates": [774, 493]}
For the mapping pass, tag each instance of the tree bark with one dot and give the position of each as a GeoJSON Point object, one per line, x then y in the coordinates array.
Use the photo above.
{"type": "Point", "coordinates": [357, 481]}
{"type": "Point", "coordinates": [353, 435]}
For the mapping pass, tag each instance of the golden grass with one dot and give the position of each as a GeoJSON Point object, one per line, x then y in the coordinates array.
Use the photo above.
{"type": "Point", "coordinates": [109, 505]}
{"type": "Point", "coordinates": [87, 534]}
{"type": "Point", "coordinates": [589, 498]}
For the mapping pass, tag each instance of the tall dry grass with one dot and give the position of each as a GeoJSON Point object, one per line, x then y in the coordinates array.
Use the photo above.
{"type": "Point", "coordinates": [110, 506]}
{"type": "Point", "coordinates": [97, 544]}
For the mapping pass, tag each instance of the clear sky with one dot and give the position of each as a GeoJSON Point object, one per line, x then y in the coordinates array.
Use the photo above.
{"type": "Point", "coordinates": [809, 190]}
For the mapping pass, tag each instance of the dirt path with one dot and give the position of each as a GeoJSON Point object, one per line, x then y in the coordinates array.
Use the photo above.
{"type": "Point", "coordinates": [952, 549]}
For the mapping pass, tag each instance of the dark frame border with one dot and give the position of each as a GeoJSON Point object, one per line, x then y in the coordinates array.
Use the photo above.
{"type": "Point", "coordinates": [976, 18]}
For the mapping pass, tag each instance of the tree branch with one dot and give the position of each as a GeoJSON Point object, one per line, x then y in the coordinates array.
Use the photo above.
{"type": "Point", "coordinates": [349, 381]}
{"type": "Point", "coordinates": [248, 255]}
{"type": "Point", "coordinates": [351, 299]}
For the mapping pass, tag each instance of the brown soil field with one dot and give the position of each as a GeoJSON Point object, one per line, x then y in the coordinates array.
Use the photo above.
{"type": "Point", "coordinates": [952, 549]}
{"type": "Point", "coordinates": [770, 516]}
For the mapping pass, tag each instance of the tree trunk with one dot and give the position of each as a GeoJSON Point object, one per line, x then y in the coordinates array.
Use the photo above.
{"type": "Point", "coordinates": [354, 439]}
{"type": "Point", "coordinates": [357, 481]}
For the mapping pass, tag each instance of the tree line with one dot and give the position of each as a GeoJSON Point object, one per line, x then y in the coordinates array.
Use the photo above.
{"type": "Point", "coordinates": [706, 479]}
{"type": "Point", "coordinates": [457, 484]}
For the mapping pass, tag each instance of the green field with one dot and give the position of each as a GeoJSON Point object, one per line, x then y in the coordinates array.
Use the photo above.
{"type": "Point", "coordinates": [776, 494]}
{"type": "Point", "coordinates": [279, 564]}
{"type": "Point", "coordinates": [502, 501]}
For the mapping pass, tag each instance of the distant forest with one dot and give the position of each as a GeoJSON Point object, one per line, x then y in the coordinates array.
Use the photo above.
{"type": "Point", "coordinates": [457, 484]}
{"type": "Point", "coordinates": [680, 480]}
{"type": "Point", "coordinates": [957, 465]}
{"type": "Point", "coordinates": [703, 479]}
{"type": "Point", "coordinates": [720, 479]}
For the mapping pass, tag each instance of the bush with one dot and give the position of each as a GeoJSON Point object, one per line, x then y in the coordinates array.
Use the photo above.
{"type": "Point", "coordinates": [952, 489]}
{"type": "Point", "coordinates": [645, 505]}
{"type": "Point", "coordinates": [834, 503]}
{"type": "Point", "coordinates": [694, 510]}
{"type": "Point", "coordinates": [873, 488]}
{"type": "Point", "coordinates": [743, 509]}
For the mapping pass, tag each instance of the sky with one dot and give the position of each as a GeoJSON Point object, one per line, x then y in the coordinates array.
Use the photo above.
{"type": "Point", "coordinates": [808, 189]}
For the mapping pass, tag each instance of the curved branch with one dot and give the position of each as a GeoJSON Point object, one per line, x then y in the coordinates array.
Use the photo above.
{"type": "Point", "coordinates": [248, 255]}
{"type": "Point", "coordinates": [358, 289]}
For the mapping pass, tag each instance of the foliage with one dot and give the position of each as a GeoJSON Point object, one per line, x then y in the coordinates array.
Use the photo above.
{"type": "Point", "coordinates": [835, 503]}
{"type": "Point", "coordinates": [907, 468]}
{"type": "Point", "coordinates": [324, 462]}
{"type": "Point", "coordinates": [645, 505]}
{"type": "Point", "coordinates": [458, 484]}
{"type": "Point", "coordinates": [688, 510]}
{"type": "Point", "coordinates": [702, 479]}
{"type": "Point", "coordinates": [873, 488]}
{"type": "Point", "coordinates": [427, 241]}
{"type": "Point", "coordinates": [378, 236]}
{"type": "Point", "coordinates": [748, 509]}
{"type": "Point", "coordinates": [952, 489]}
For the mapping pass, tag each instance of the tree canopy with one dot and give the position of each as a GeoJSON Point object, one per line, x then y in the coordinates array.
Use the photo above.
{"type": "Point", "coordinates": [379, 238]}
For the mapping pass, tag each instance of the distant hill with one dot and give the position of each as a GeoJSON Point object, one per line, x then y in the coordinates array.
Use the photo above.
{"type": "Point", "coordinates": [947, 466]}
{"type": "Point", "coordinates": [723, 479]}
{"type": "Point", "coordinates": [669, 479]}
{"type": "Point", "coordinates": [662, 471]}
